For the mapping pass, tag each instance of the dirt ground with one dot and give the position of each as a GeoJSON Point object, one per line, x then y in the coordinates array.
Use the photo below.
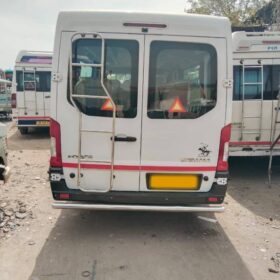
{"type": "Point", "coordinates": [44, 243]}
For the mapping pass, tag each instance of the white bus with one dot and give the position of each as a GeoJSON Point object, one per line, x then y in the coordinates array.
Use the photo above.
{"type": "Point", "coordinates": [140, 111]}
{"type": "Point", "coordinates": [256, 59]}
{"type": "Point", "coordinates": [31, 89]}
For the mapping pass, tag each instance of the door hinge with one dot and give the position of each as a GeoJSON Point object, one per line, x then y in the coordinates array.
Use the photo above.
{"type": "Point", "coordinates": [57, 77]}
{"type": "Point", "coordinates": [227, 83]}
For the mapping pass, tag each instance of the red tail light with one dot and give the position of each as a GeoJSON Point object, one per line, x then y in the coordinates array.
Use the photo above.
{"type": "Point", "coordinates": [223, 150]}
{"type": "Point", "coordinates": [14, 100]}
{"type": "Point", "coordinates": [56, 159]}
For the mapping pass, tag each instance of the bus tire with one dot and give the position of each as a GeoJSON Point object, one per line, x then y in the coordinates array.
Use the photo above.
{"type": "Point", "coordinates": [23, 130]}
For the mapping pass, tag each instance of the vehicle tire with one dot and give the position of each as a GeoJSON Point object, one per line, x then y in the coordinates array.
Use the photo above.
{"type": "Point", "coordinates": [23, 130]}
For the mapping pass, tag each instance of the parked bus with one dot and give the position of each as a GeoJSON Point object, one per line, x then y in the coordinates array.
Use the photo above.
{"type": "Point", "coordinates": [140, 111]}
{"type": "Point", "coordinates": [256, 59]}
{"type": "Point", "coordinates": [5, 99]}
{"type": "Point", "coordinates": [31, 89]}
{"type": "Point", "coordinates": [9, 75]}
{"type": "Point", "coordinates": [2, 77]}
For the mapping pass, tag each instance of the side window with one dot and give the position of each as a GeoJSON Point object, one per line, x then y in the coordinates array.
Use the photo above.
{"type": "Point", "coordinates": [267, 82]}
{"type": "Point", "coordinates": [120, 76]}
{"type": "Point", "coordinates": [238, 83]}
{"type": "Point", "coordinates": [275, 81]}
{"type": "Point", "coordinates": [19, 80]}
{"type": "Point", "coordinates": [182, 80]}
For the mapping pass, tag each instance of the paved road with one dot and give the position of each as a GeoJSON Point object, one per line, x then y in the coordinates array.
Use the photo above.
{"type": "Point", "coordinates": [123, 245]}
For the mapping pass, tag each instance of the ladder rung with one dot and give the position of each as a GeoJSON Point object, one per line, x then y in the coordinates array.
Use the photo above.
{"type": "Point", "coordinates": [89, 96]}
{"type": "Point", "coordinates": [96, 131]}
{"type": "Point", "coordinates": [252, 66]}
{"type": "Point", "coordinates": [251, 132]}
{"type": "Point", "coordinates": [87, 64]}
{"type": "Point", "coordinates": [252, 84]}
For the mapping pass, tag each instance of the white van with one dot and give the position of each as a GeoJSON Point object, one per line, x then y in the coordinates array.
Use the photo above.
{"type": "Point", "coordinates": [31, 89]}
{"type": "Point", "coordinates": [256, 74]}
{"type": "Point", "coordinates": [140, 111]}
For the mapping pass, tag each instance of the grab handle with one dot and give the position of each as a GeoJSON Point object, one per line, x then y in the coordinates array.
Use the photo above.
{"type": "Point", "coordinates": [125, 139]}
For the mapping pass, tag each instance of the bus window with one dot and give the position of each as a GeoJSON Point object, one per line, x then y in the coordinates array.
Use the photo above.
{"type": "Point", "coordinates": [252, 75]}
{"type": "Point", "coordinates": [252, 90]}
{"type": "Point", "coordinates": [43, 81]}
{"type": "Point", "coordinates": [120, 77]}
{"type": "Point", "coordinates": [182, 80]}
{"type": "Point", "coordinates": [238, 83]}
{"type": "Point", "coordinates": [42, 78]}
{"type": "Point", "coordinates": [275, 81]}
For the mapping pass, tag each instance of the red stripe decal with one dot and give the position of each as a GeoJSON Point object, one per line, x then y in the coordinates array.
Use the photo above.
{"type": "Point", "coordinates": [140, 168]}
{"type": "Point", "coordinates": [253, 143]}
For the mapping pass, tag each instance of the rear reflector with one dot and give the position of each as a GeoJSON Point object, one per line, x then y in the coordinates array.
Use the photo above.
{"type": "Point", "coordinates": [146, 25]}
{"type": "Point", "coordinates": [56, 159]}
{"type": "Point", "coordinates": [224, 149]}
{"type": "Point", "coordinates": [212, 199]}
{"type": "Point", "coordinates": [64, 196]}
{"type": "Point", "coordinates": [14, 100]}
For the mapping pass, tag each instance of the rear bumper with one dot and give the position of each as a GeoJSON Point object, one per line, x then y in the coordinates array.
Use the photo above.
{"type": "Point", "coordinates": [134, 207]}
{"type": "Point", "coordinates": [33, 122]}
{"type": "Point", "coordinates": [253, 151]}
{"type": "Point", "coordinates": [139, 200]}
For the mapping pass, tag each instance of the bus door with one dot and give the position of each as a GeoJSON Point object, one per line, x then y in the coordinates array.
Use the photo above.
{"type": "Point", "coordinates": [252, 87]}
{"type": "Point", "coordinates": [89, 155]}
{"type": "Point", "coordinates": [184, 109]}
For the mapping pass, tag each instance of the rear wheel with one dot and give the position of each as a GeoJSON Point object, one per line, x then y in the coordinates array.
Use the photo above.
{"type": "Point", "coordinates": [23, 130]}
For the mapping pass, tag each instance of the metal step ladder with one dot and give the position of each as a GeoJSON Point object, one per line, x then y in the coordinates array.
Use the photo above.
{"type": "Point", "coordinates": [106, 96]}
{"type": "Point", "coordinates": [35, 88]}
{"type": "Point", "coordinates": [274, 138]}
{"type": "Point", "coordinates": [244, 116]}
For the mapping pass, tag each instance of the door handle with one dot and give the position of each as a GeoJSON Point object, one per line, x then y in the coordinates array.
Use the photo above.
{"type": "Point", "coordinates": [125, 139]}
{"type": "Point", "coordinates": [48, 96]}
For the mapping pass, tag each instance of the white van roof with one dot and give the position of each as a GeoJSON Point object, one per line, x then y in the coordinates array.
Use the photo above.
{"type": "Point", "coordinates": [171, 24]}
{"type": "Point", "coordinates": [34, 57]}
{"type": "Point", "coordinates": [256, 41]}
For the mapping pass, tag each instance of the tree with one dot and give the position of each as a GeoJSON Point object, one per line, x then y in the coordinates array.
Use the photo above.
{"type": "Point", "coordinates": [240, 12]}
{"type": "Point", "coordinates": [270, 14]}
{"type": "Point", "coordinates": [277, 14]}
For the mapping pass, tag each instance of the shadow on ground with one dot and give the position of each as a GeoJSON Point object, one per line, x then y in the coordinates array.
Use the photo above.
{"type": "Point", "coordinates": [249, 185]}
{"type": "Point", "coordinates": [137, 245]}
{"type": "Point", "coordinates": [36, 139]}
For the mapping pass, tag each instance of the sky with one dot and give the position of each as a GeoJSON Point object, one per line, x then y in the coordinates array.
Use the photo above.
{"type": "Point", "coordinates": [30, 24]}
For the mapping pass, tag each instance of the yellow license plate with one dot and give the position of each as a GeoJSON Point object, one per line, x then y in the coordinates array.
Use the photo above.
{"type": "Point", "coordinates": [42, 123]}
{"type": "Point", "coordinates": [174, 181]}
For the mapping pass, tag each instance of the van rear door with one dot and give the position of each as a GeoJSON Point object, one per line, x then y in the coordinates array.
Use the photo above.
{"type": "Point", "coordinates": [123, 80]}
{"type": "Point", "coordinates": [183, 113]}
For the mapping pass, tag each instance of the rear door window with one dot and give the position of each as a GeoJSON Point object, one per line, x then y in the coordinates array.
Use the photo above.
{"type": "Point", "coordinates": [254, 82]}
{"type": "Point", "coordinates": [120, 76]}
{"type": "Point", "coordinates": [182, 80]}
{"type": "Point", "coordinates": [41, 82]}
